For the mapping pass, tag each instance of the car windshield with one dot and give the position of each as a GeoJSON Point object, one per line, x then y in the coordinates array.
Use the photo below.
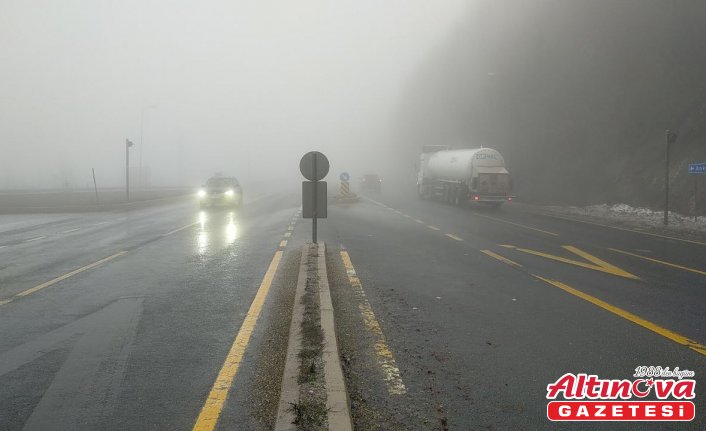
{"type": "Point", "coordinates": [221, 182]}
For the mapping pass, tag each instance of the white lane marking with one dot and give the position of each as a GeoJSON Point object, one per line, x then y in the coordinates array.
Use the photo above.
{"type": "Point", "coordinates": [181, 228]}
{"type": "Point", "coordinates": [100, 223]}
{"type": "Point", "coordinates": [3, 246]}
{"type": "Point", "coordinates": [61, 278]}
{"type": "Point", "coordinates": [35, 239]}
{"type": "Point", "coordinates": [287, 234]}
{"type": "Point", "coordinates": [433, 227]}
{"type": "Point", "coordinates": [290, 228]}
{"type": "Point", "coordinates": [283, 243]}
{"type": "Point", "coordinates": [418, 221]}
{"type": "Point", "coordinates": [71, 230]}
{"type": "Point", "coordinates": [454, 237]}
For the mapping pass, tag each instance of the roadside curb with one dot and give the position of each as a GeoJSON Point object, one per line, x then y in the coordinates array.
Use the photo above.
{"type": "Point", "coordinates": [289, 394]}
{"type": "Point", "coordinates": [337, 402]}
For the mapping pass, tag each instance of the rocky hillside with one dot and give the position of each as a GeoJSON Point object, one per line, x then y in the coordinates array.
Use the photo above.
{"type": "Point", "coordinates": [576, 94]}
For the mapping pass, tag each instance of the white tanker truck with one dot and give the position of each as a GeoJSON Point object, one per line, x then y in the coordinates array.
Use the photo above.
{"type": "Point", "coordinates": [459, 176]}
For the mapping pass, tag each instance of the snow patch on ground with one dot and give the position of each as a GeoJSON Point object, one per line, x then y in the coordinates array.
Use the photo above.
{"type": "Point", "coordinates": [625, 213]}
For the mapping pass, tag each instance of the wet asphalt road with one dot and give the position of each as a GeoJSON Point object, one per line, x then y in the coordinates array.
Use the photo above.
{"type": "Point", "coordinates": [477, 339]}
{"type": "Point", "coordinates": [136, 341]}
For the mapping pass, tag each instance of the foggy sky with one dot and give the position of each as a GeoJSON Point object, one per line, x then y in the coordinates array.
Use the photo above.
{"type": "Point", "coordinates": [218, 82]}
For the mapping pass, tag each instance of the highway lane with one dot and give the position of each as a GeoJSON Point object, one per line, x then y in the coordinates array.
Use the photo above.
{"type": "Point", "coordinates": [477, 338]}
{"type": "Point", "coordinates": [442, 320]}
{"type": "Point", "coordinates": [134, 342]}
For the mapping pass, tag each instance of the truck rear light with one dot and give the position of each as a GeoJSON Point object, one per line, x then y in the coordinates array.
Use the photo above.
{"type": "Point", "coordinates": [476, 198]}
{"type": "Point", "coordinates": [509, 198]}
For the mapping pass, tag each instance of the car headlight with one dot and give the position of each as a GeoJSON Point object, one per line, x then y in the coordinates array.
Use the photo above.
{"type": "Point", "coordinates": [230, 193]}
{"type": "Point", "coordinates": [201, 193]}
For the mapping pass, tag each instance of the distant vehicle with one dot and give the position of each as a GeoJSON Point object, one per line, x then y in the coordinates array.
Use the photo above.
{"type": "Point", "coordinates": [221, 191]}
{"type": "Point", "coordinates": [371, 183]}
{"type": "Point", "coordinates": [462, 176]}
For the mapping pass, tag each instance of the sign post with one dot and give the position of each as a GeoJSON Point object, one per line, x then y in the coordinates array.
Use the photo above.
{"type": "Point", "coordinates": [695, 169]}
{"type": "Point", "coordinates": [314, 166]}
{"type": "Point", "coordinates": [670, 138]}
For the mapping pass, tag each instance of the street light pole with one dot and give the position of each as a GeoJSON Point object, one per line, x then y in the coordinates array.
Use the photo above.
{"type": "Point", "coordinates": [670, 138]}
{"type": "Point", "coordinates": [142, 132]}
{"type": "Point", "coordinates": [128, 144]}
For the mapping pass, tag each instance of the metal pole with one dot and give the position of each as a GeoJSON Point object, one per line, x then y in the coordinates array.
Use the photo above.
{"type": "Point", "coordinates": [127, 170]}
{"type": "Point", "coordinates": [95, 187]}
{"type": "Point", "coordinates": [313, 229]}
{"type": "Point", "coordinates": [696, 205]}
{"type": "Point", "coordinates": [666, 180]}
{"type": "Point", "coordinates": [142, 129]}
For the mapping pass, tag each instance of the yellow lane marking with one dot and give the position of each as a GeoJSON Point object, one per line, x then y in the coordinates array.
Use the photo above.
{"type": "Point", "coordinates": [454, 237]}
{"type": "Point", "coordinates": [391, 373]}
{"type": "Point", "coordinates": [625, 229]}
{"type": "Point", "coordinates": [674, 265]}
{"type": "Point", "coordinates": [287, 234]}
{"type": "Point", "coordinates": [181, 228]}
{"type": "Point", "coordinates": [516, 224]}
{"type": "Point", "coordinates": [433, 227]}
{"type": "Point", "coordinates": [677, 338]}
{"type": "Point", "coordinates": [501, 258]}
{"type": "Point", "coordinates": [283, 243]}
{"type": "Point", "coordinates": [211, 410]}
{"type": "Point", "coordinates": [596, 263]}
{"type": "Point", "coordinates": [61, 278]}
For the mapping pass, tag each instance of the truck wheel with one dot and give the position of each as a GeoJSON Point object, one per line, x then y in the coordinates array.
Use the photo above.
{"type": "Point", "coordinates": [458, 198]}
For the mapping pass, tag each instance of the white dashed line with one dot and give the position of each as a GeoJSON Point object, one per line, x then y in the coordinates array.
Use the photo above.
{"type": "Point", "coordinates": [432, 227]}
{"type": "Point", "coordinates": [71, 230]}
{"type": "Point", "coordinates": [35, 239]}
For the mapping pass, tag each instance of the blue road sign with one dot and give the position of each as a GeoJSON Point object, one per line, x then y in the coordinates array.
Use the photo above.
{"type": "Point", "coordinates": [697, 168]}
{"type": "Point", "coordinates": [344, 176]}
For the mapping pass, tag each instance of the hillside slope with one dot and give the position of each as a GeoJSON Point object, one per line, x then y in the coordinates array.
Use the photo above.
{"type": "Point", "coordinates": [576, 94]}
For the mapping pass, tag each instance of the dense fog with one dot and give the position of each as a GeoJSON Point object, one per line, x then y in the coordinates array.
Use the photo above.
{"type": "Point", "coordinates": [242, 88]}
{"type": "Point", "coordinates": [576, 94]}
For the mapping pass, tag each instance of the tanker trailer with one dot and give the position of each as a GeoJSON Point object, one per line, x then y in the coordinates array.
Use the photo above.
{"type": "Point", "coordinates": [475, 175]}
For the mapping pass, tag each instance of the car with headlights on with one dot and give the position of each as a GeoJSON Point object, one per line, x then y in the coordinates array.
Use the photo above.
{"type": "Point", "coordinates": [371, 183]}
{"type": "Point", "coordinates": [220, 191]}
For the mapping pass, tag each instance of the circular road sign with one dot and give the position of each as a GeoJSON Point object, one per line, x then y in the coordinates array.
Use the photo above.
{"type": "Point", "coordinates": [314, 166]}
{"type": "Point", "coordinates": [344, 176]}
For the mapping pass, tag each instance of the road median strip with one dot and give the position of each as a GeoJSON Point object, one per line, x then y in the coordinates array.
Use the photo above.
{"type": "Point", "coordinates": [313, 394]}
